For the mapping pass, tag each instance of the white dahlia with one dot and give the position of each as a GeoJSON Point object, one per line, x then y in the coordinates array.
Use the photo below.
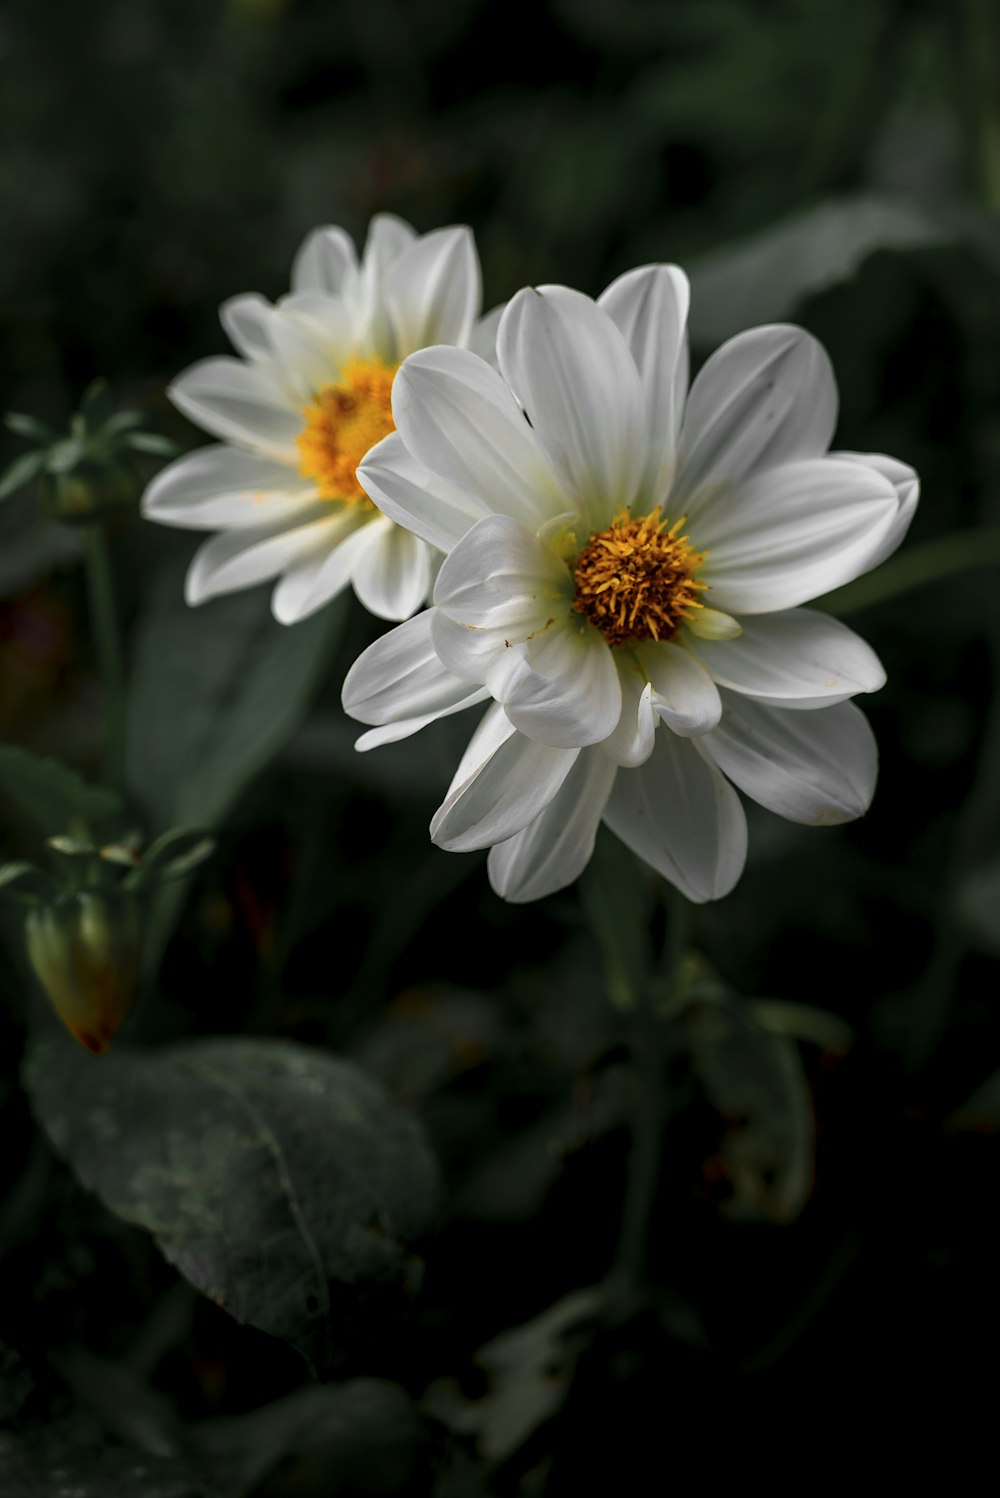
{"type": "Point", "coordinates": [299, 409]}
{"type": "Point", "coordinates": [624, 578]}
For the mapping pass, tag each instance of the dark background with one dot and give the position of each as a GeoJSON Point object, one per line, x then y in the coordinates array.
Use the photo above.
{"type": "Point", "coordinates": [160, 157]}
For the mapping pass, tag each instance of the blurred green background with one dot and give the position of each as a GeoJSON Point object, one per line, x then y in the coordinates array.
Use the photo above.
{"type": "Point", "coordinates": [834, 165]}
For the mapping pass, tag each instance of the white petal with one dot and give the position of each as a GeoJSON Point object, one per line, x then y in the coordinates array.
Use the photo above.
{"type": "Point", "coordinates": [766, 397]}
{"type": "Point", "coordinates": [501, 577]}
{"type": "Point", "coordinates": [796, 659]}
{"type": "Point", "coordinates": [222, 486]}
{"type": "Point", "coordinates": [242, 558]}
{"type": "Point", "coordinates": [458, 419]}
{"type": "Point", "coordinates": [393, 575]}
{"type": "Point", "coordinates": [426, 504]}
{"type": "Point", "coordinates": [502, 792]}
{"type": "Point", "coordinates": [632, 740]}
{"type": "Point", "coordinates": [235, 400]}
{"type": "Point", "coordinates": [572, 371]}
{"type": "Point", "coordinates": [433, 290]}
{"type": "Point", "coordinates": [331, 321]}
{"type": "Point", "coordinates": [320, 576]}
{"type": "Point", "coordinates": [685, 697]}
{"type": "Point", "coordinates": [793, 533]}
{"type": "Point", "coordinates": [555, 848]}
{"type": "Point", "coordinates": [904, 480]}
{"type": "Point", "coordinates": [483, 338]}
{"type": "Point", "coordinates": [388, 237]}
{"type": "Point", "coordinates": [649, 306]}
{"type": "Point", "coordinates": [246, 320]}
{"type": "Point", "coordinates": [307, 359]}
{"type": "Point", "coordinates": [561, 686]}
{"type": "Point", "coordinates": [679, 814]}
{"type": "Point", "coordinates": [326, 262]}
{"type": "Point", "coordinates": [400, 680]}
{"type": "Point", "coordinates": [818, 768]}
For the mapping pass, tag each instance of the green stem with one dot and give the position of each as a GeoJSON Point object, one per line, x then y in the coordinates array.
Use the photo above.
{"type": "Point", "coordinates": [629, 1281]}
{"type": "Point", "coordinates": [108, 647]}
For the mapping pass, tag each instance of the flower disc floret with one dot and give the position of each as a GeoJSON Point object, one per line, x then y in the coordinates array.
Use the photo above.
{"type": "Point", "coordinates": [636, 580]}
{"type": "Point", "coordinates": [342, 424]}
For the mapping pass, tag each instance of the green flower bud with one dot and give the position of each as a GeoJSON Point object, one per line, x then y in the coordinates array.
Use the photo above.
{"type": "Point", "coordinates": [84, 949]}
{"type": "Point", "coordinates": [89, 489]}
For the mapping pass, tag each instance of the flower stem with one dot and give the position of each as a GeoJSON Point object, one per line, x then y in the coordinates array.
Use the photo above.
{"type": "Point", "coordinates": [629, 1280]}
{"type": "Point", "coordinates": [108, 647]}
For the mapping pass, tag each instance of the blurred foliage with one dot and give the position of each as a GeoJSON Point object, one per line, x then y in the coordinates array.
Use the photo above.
{"type": "Point", "coordinates": [830, 1151]}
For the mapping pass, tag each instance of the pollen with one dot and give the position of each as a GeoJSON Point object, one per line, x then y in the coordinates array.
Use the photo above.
{"type": "Point", "coordinates": [345, 421]}
{"type": "Point", "coordinates": [636, 580]}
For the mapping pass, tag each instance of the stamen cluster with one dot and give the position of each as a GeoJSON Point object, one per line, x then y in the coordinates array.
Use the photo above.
{"type": "Point", "coordinates": [346, 420]}
{"type": "Point", "coordinates": [635, 581]}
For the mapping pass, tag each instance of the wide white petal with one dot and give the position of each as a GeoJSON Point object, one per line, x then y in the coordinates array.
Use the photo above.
{"type": "Point", "coordinates": [685, 697]}
{"type": "Point", "coordinates": [818, 768]}
{"type": "Point", "coordinates": [793, 533]}
{"type": "Point", "coordinates": [649, 306]}
{"type": "Point", "coordinates": [483, 338]}
{"type": "Point", "coordinates": [307, 358]}
{"type": "Point", "coordinates": [326, 262]}
{"type": "Point", "coordinates": [223, 487]}
{"type": "Point", "coordinates": [635, 733]}
{"type": "Point", "coordinates": [508, 780]}
{"type": "Point", "coordinates": [458, 419]}
{"type": "Point", "coordinates": [555, 848]}
{"type": "Point", "coordinates": [766, 397]}
{"type": "Point", "coordinates": [324, 573]}
{"type": "Point", "coordinates": [388, 236]}
{"type": "Point", "coordinates": [501, 577]}
{"type": "Point", "coordinates": [242, 558]}
{"type": "Point", "coordinates": [433, 290]}
{"type": "Point", "coordinates": [330, 321]}
{"type": "Point", "coordinates": [682, 817]}
{"type": "Point", "coordinates": [426, 504]}
{"type": "Point", "coordinates": [399, 679]}
{"type": "Point", "coordinates": [247, 320]}
{"type": "Point", "coordinates": [571, 369]}
{"type": "Point", "coordinates": [238, 401]}
{"type": "Point", "coordinates": [797, 659]}
{"type": "Point", "coordinates": [904, 480]}
{"type": "Point", "coordinates": [393, 574]}
{"type": "Point", "coordinates": [561, 686]}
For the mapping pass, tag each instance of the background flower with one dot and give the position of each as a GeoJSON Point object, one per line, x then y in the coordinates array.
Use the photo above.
{"type": "Point", "coordinates": [629, 595]}
{"type": "Point", "coordinates": [300, 407]}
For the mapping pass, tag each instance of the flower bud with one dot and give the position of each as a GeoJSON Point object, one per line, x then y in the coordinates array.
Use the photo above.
{"type": "Point", "coordinates": [88, 489]}
{"type": "Point", "coordinates": [84, 949]}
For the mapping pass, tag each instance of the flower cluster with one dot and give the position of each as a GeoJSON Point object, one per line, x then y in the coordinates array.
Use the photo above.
{"type": "Point", "coordinates": [625, 558]}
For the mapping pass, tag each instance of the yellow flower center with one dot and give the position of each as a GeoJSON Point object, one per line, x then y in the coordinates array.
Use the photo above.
{"type": "Point", "coordinates": [346, 420]}
{"type": "Point", "coordinates": [636, 580]}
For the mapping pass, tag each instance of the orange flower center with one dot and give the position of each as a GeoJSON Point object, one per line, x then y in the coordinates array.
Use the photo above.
{"type": "Point", "coordinates": [636, 580]}
{"type": "Point", "coordinates": [346, 420]}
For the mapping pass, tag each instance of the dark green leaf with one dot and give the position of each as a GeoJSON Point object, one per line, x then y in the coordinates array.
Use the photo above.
{"type": "Point", "coordinates": [152, 442]}
{"type": "Point", "coordinates": [24, 879]}
{"type": "Point", "coordinates": [764, 279]}
{"type": "Point", "coordinates": [64, 455]}
{"type": "Point", "coordinates": [21, 472]}
{"type": "Point", "coordinates": [271, 1175]}
{"type": "Point", "coordinates": [215, 693]}
{"type": "Point", "coordinates": [354, 1437]}
{"type": "Point", "coordinates": [56, 1463]}
{"type": "Point", "coordinates": [28, 427]}
{"type": "Point", "coordinates": [173, 855]}
{"type": "Point", "coordinates": [754, 1079]}
{"type": "Point", "coordinates": [53, 795]}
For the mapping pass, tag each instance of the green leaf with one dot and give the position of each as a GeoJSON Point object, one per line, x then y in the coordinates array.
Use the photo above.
{"type": "Point", "coordinates": [916, 567]}
{"type": "Point", "coordinates": [19, 880]}
{"type": "Point", "coordinates": [21, 472]}
{"type": "Point", "coordinates": [273, 1176]}
{"type": "Point", "coordinates": [55, 1462]}
{"type": "Point", "coordinates": [122, 421]}
{"type": "Point", "coordinates": [64, 455]}
{"type": "Point", "coordinates": [359, 1436]}
{"type": "Point", "coordinates": [28, 427]}
{"type": "Point", "coordinates": [754, 1079]}
{"type": "Point", "coordinates": [765, 278]}
{"type": "Point", "coordinates": [215, 693]}
{"type": "Point", "coordinates": [53, 795]}
{"type": "Point", "coordinates": [172, 856]}
{"type": "Point", "coordinates": [152, 442]}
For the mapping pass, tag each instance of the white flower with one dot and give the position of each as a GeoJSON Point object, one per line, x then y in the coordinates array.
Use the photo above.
{"type": "Point", "coordinates": [298, 410]}
{"type": "Point", "coordinates": [624, 581]}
